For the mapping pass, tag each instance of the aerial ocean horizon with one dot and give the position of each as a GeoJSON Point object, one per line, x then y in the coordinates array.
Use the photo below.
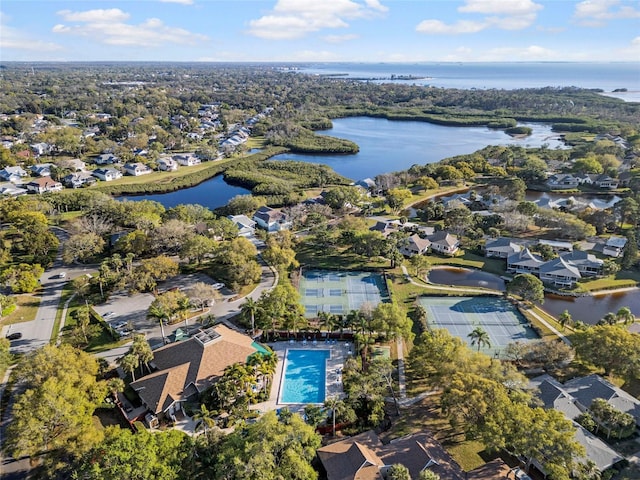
{"type": "Point", "coordinates": [621, 79]}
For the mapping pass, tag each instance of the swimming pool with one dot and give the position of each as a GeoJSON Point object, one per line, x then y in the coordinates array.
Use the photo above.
{"type": "Point", "coordinates": [305, 376]}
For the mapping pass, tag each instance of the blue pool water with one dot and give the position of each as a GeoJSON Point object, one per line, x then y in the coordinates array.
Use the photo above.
{"type": "Point", "coordinates": [305, 376]}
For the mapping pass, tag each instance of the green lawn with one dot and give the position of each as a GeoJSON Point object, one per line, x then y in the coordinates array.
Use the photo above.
{"type": "Point", "coordinates": [336, 258]}
{"type": "Point", "coordinates": [26, 309]}
{"type": "Point", "coordinates": [621, 279]}
{"type": "Point", "coordinates": [471, 260]}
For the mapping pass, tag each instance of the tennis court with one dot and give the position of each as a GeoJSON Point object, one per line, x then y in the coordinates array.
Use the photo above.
{"type": "Point", "coordinates": [340, 292]}
{"type": "Point", "coordinates": [461, 315]}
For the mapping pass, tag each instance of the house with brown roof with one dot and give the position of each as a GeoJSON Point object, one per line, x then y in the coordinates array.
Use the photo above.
{"type": "Point", "coordinates": [415, 245]}
{"type": "Point", "coordinates": [43, 185]}
{"type": "Point", "coordinates": [365, 457]}
{"type": "Point", "coordinates": [185, 369]}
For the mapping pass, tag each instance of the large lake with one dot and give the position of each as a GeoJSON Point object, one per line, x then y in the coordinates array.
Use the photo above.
{"type": "Point", "coordinates": [385, 146]}
{"type": "Point", "coordinates": [391, 146]}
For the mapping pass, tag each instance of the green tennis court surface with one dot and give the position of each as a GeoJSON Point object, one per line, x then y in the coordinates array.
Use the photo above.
{"type": "Point", "coordinates": [461, 315]}
{"type": "Point", "coordinates": [340, 292]}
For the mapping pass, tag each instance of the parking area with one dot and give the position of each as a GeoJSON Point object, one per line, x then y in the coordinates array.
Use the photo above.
{"type": "Point", "coordinates": [123, 311]}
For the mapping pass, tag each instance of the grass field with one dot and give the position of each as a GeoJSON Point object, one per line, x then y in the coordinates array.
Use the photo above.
{"type": "Point", "coordinates": [26, 309]}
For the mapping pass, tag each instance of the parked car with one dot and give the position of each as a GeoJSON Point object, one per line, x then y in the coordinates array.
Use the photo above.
{"type": "Point", "coordinates": [520, 474]}
{"type": "Point", "coordinates": [62, 275]}
{"type": "Point", "coordinates": [14, 336]}
{"type": "Point", "coordinates": [108, 314]}
{"type": "Point", "coordinates": [218, 285]}
{"type": "Point", "coordinates": [119, 325]}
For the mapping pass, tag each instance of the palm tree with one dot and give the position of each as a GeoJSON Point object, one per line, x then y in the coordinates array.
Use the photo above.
{"type": "Point", "coordinates": [129, 363]}
{"type": "Point", "coordinates": [158, 312]}
{"type": "Point", "coordinates": [204, 418]}
{"type": "Point", "coordinates": [328, 321]}
{"type": "Point", "coordinates": [565, 318]}
{"type": "Point", "coordinates": [115, 385]}
{"type": "Point", "coordinates": [141, 349]}
{"type": "Point", "coordinates": [480, 337]}
{"type": "Point", "coordinates": [250, 308]}
{"type": "Point", "coordinates": [625, 315]}
{"type": "Point", "coordinates": [333, 403]}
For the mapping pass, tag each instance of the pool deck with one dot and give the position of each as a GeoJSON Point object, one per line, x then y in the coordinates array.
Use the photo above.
{"type": "Point", "coordinates": [340, 351]}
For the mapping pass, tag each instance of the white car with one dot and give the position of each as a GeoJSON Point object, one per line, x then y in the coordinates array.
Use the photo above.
{"type": "Point", "coordinates": [62, 275]}
{"type": "Point", "coordinates": [521, 474]}
{"type": "Point", "coordinates": [218, 285]}
{"type": "Point", "coordinates": [119, 325]}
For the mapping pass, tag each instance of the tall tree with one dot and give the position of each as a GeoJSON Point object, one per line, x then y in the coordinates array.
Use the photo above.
{"type": "Point", "coordinates": [480, 338]}
{"type": "Point", "coordinates": [54, 414]}
{"type": "Point", "coordinates": [528, 287]}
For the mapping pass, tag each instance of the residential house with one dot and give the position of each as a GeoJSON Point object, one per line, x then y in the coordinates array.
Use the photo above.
{"type": "Point", "coordinates": [559, 272]}
{"type": "Point", "coordinates": [365, 457]}
{"type": "Point", "coordinates": [13, 174]}
{"type": "Point", "coordinates": [369, 185]}
{"type": "Point", "coordinates": [106, 174]}
{"type": "Point", "coordinates": [415, 245]}
{"type": "Point", "coordinates": [614, 246]}
{"type": "Point", "coordinates": [625, 178]}
{"type": "Point", "coordinates": [11, 190]}
{"type": "Point", "coordinates": [186, 159]}
{"type": "Point", "coordinates": [557, 396]}
{"type": "Point", "coordinates": [41, 148]}
{"type": "Point", "coordinates": [79, 179]}
{"type": "Point", "coordinates": [604, 181]}
{"type": "Point", "coordinates": [42, 169]}
{"type": "Point", "coordinates": [556, 245]}
{"type": "Point", "coordinates": [586, 263]}
{"type": "Point", "coordinates": [456, 200]}
{"type": "Point", "coordinates": [167, 164]}
{"type": "Point", "coordinates": [76, 165]}
{"type": "Point", "coordinates": [185, 369]}
{"type": "Point", "coordinates": [136, 169]}
{"type": "Point", "coordinates": [562, 181]}
{"type": "Point", "coordinates": [272, 220]}
{"type": "Point", "coordinates": [586, 389]}
{"type": "Point", "coordinates": [524, 262]}
{"type": "Point", "coordinates": [246, 226]}
{"type": "Point", "coordinates": [444, 243]}
{"type": "Point", "coordinates": [43, 185]}
{"type": "Point", "coordinates": [106, 159]}
{"type": "Point", "coordinates": [501, 248]}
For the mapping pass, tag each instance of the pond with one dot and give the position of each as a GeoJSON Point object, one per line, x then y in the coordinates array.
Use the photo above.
{"type": "Point", "coordinates": [213, 193]}
{"type": "Point", "coordinates": [466, 277]}
{"type": "Point", "coordinates": [390, 146]}
{"type": "Point", "coordinates": [588, 309]}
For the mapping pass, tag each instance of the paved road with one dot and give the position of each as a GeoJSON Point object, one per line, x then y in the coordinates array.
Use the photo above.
{"type": "Point", "coordinates": [37, 333]}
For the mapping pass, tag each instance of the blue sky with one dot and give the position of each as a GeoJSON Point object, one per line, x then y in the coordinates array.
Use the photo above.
{"type": "Point", "coordinates": [320, 30]}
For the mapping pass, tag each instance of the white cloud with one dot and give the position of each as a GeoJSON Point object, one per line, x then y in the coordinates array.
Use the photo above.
{"type": "Point", "coordinates": [340, 38]}
{"type": "Point", "coordinates": [502, 14]}
{"type": "Point", "coordinates": [182, 2]}
{"type": "Point", "coordinates": [595, 13]}
{"type": "Point", "coordinates": [108, 27]}
{"type": "Point", "coordinates": [436, 27]}
{"type": "Point", "coordinates": [99, 15]}
{"type": "Point", "coordinates": [500, 7]}
{"type": "Point", "coordinates": [636, 41]}
{"type": "Point", "coordinates": [296, 18]}
{"type": "Point", "coordinates": [14, 39]}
